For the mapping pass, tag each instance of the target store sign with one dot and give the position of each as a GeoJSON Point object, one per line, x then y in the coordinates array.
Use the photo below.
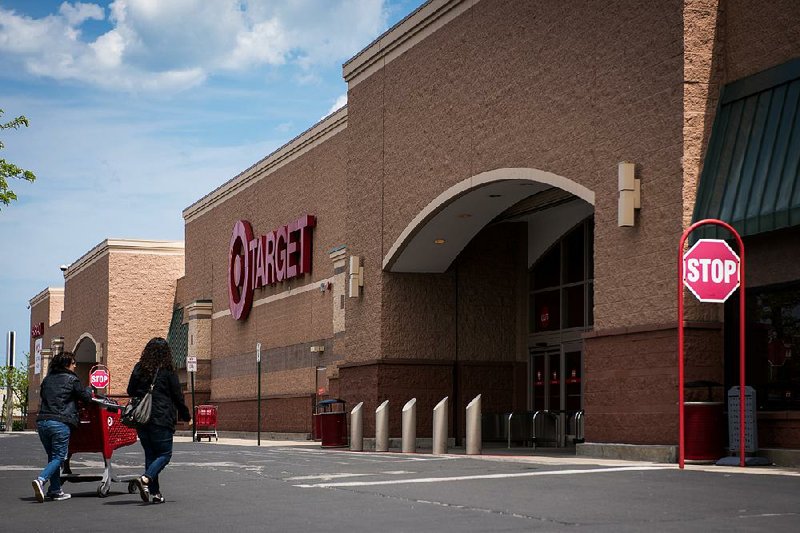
{"type": "Point", "coordinates": [259, 261]}
{"type": "Point", "coordinates": [711, 270]}
{"type": "Point", "coordinates": [99, 379]}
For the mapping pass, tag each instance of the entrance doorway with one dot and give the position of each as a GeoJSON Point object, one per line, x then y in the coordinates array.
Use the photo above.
{"type": "Point", "coordinates": [555, 378]}
{"type": "Point", "coordinates": [561, 310]}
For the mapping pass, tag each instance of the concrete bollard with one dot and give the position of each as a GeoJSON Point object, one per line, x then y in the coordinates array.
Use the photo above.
{"type": "Point", "coordinates": [474, 437]}
{"type": "Point", "coordinates": [410, 426]}
{"type": "Point", "coordinates": [440, 427]}
{"type": "Point", "coordinates": [357, 428]}
{"type": "Point", "coordinates": [382, 427]}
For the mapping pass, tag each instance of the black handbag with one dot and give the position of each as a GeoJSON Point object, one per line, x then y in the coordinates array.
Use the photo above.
{"type": "Point", "coordinates": [137, 413]}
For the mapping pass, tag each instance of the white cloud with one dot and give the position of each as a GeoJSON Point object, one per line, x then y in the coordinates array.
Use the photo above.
{"type": "Point", "coordinates": [77, 13]}
{"type": "Point", "coordinates": [177, 44]}
{"type": "Point", "coordinates": [337, 105]}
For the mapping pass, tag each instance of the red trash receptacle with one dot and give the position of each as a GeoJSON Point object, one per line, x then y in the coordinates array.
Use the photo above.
{"type": "Point", "coordinates": [705, 431]}
{"type": "Point", "coordinates": [332, 424]}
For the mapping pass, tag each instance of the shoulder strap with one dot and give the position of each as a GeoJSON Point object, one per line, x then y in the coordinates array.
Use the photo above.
{"type": "Point", "coordinates": [153, 384]}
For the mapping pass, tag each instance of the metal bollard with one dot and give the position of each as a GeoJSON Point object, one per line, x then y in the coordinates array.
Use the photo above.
{"type": "Point", "coordinates": [440, 427]}
{"type": "Point", "coordinates": [474, 437]}
{"type": "Point", "coordinates": [357, 428]}
{"type": "Point", "coordinates": [410, 426]}
{"type": "Point", "coordinates": [382, 427]}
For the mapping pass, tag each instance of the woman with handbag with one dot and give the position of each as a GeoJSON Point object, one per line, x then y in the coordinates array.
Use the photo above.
{"type": "Point", "coordinates": [155, 374]}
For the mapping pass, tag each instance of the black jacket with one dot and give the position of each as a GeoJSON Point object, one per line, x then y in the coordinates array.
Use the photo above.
{"type": "Point", "coordinates": [59, 393]}
{"type": "Point", "coordinates": [167, 396]}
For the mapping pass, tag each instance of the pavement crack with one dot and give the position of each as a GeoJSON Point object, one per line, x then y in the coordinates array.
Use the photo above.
{"type": "Point", "coordinates": [459, 507]}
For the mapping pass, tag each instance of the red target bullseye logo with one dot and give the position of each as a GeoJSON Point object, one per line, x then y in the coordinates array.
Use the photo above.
{"type": "Point", "coordinates": [240, 294]}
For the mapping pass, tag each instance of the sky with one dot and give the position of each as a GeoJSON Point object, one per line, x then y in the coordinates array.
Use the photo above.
{"type": "Point", "coordinates": [139, 108]}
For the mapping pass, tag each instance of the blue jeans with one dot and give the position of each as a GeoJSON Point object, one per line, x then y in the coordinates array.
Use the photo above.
{"type": "Point", "coordinates": [55, 439]}
{"type": "Point", "coordinates": [157, 444]}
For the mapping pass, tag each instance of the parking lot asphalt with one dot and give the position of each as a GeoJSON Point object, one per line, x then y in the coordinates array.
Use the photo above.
{"type": "Point", "coordinates": [296, 486]}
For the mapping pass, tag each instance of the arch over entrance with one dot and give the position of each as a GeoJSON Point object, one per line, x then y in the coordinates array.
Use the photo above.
{"type": "Point", "coordinates": [86, 356]}
{"type": "Point", "coordinates": [85, 349]}
{"type": "Point", "coordinates": [435, 237]}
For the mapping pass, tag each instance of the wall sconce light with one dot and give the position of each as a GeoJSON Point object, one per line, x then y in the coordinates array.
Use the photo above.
{"type": "Point", "coordinates": [629, 194]}
{"type": "Point", "coordinates": [356, 277]}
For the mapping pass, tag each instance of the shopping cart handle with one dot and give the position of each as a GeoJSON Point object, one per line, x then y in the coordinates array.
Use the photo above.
{"type": "Point", "coordinates": [110, 405]}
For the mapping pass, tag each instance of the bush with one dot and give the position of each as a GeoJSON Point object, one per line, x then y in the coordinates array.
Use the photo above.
{"type": "Point", "coordinates": [18, 425]}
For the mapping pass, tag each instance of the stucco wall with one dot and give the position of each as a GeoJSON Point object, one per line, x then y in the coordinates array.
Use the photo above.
{"type": "Point", "coordinates": [141, 292]}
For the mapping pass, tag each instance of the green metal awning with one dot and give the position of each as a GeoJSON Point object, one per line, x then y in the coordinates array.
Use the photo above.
{"type": "Point", "coordinates": [751, 174]}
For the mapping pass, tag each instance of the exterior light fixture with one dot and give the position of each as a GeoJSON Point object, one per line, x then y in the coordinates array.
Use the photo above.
{"type": "Point", "coordinates": [629, 194]}
{"type": "Point", "coordinates": [356, 279]}
{"type": "Point", "coordinates": [439, 241]}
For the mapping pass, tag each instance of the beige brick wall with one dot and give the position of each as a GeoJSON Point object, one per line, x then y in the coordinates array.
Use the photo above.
{"type": "Point", "coordinates": [141, 292]}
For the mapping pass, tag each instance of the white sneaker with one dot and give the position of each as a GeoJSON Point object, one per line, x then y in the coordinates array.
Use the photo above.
{"type": "Point", "coordinates": [59, 496]}
{"type": "Point", "coordinates": [38, 489]}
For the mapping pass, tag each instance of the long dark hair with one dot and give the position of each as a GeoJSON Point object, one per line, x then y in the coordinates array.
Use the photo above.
{"type": "Point", "coordinates": [156, 355]}
{"type": "Point", "coordinates": [61, 361]}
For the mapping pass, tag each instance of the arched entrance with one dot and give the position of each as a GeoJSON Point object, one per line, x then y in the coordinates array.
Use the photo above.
{"type": "Point", "coordinates": [460, 234]}
{"type": "Point", "coordinates": [86, 357]}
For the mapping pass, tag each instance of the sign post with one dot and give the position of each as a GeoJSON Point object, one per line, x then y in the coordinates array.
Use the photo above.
{"type": "Point", "coordinates": [712, 271]}
{"type": "Point", "coordinates": [258, 377]}
{"type": "Point", "coordinates": [191, 367]}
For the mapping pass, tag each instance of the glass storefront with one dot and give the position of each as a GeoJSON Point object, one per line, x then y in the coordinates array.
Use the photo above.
{"type": "Point", "coordinates": [772, 337]}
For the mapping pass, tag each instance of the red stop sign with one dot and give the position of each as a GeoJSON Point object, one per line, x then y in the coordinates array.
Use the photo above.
{"type": "Point", "coordinates": [99, 378]}
{"type": "Point", "coordinates": [711, 270]}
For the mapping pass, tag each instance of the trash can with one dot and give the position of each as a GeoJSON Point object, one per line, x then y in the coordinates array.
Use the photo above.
{"type": "Point", "coordinates": [705, 426]}
{"type": "Point", "coordinates": [705, 431]}
{"type": "Point", "coordinates": [332, 422]}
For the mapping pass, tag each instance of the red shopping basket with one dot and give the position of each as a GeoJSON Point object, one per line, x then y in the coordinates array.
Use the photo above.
{"type": "Point", "coordinates": [99, 431]}
{"type": "Point", "coordinates": [205, 422]}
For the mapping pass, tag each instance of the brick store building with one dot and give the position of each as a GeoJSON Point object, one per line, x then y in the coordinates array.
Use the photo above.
{"type": "Point", "coordinates": [475, 177]}
{"type": "Point", "coordinates": [115, 298]}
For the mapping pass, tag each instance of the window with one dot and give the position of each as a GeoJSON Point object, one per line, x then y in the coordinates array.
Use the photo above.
{"type": "Point", "coordinates": [561, 283]}
{"type": "Point", "coordinates": [773, 345]}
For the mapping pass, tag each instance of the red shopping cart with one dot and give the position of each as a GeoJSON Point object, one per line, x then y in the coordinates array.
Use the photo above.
{"type": "Point", "coordinates": [205, 422]}
{"type": "Point", "coordinates": [100, 431]}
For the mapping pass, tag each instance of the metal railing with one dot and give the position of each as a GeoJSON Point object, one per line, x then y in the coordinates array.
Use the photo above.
{"type": "Point", "coordinates": [559, 439]}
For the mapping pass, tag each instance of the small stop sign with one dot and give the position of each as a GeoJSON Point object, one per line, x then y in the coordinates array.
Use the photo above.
{"type": "Point", "coordinates": [711, 270]}
{"type": "Point", "coordinates": [99, 378]}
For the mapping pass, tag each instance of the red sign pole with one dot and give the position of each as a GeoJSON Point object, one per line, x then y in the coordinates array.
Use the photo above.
{"type": "Point", "coordinates": [681, 376]}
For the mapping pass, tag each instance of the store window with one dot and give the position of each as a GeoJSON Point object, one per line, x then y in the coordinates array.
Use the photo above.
{"type": "Point", "coordinates": [773, 340]}
{"type": "Point", "coordinates": [561, 283]}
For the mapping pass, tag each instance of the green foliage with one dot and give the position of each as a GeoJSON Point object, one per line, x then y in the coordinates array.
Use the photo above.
{"type": "Point", "coordinates": [9, 170]}
{"type": "Point", "coordinates": [19, 387]}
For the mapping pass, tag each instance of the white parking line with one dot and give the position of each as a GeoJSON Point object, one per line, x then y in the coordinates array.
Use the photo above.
{"type": "Point", "coordinates": [485, 476]}
{"type": "Point", "coordinates": [325, 477]}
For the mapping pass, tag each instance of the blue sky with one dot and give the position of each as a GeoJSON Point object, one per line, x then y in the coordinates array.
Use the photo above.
{"type": "Point", "coordinates": [138, 108]}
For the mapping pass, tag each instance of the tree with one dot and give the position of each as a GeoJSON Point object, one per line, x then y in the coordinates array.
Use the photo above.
{"type": "Point", "coordinates": [19, 388]}
{"type": "Point", "coordinates": [10, 170]}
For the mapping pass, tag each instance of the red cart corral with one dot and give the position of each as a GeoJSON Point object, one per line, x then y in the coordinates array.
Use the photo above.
{"type": "Point", "coordinates": [100, 431]}
{"type": "Point", "coordinates": [205, 422]}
